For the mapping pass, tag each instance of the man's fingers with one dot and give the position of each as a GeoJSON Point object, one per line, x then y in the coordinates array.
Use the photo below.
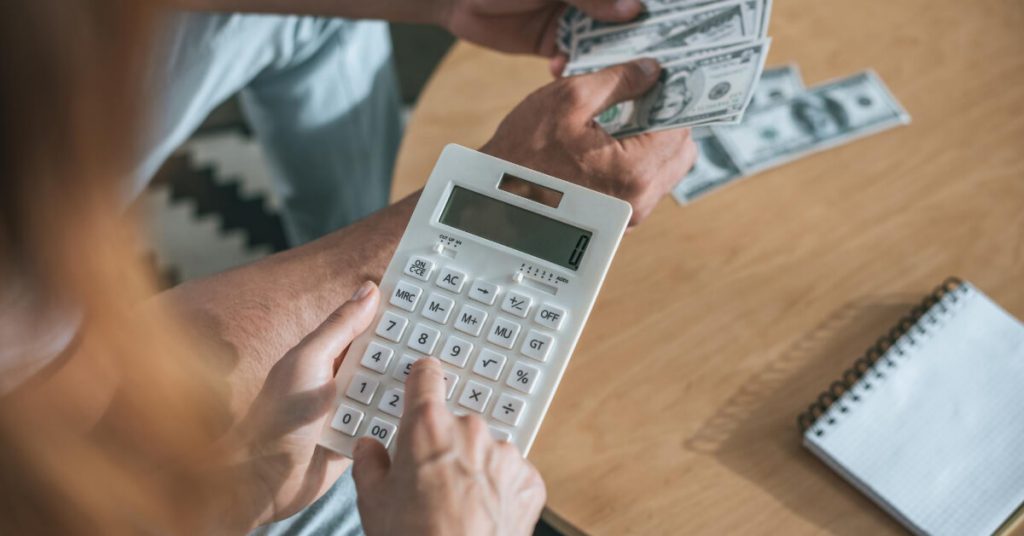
{"type": "Point", "coordinates": [343, 325]}
{"type": "Point", "coordinates": [370, 464]}
{"type": "Point", "coordinates": [610, 10]}
{"type": "Point", "coordinates": [595, 92]}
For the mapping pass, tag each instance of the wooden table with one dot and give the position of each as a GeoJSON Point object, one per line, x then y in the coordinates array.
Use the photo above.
{"type": "Point", "coordinates": [747, 303]}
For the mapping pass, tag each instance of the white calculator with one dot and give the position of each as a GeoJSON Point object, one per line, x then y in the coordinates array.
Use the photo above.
{"type": "Point", "coordinates": [495, 276]}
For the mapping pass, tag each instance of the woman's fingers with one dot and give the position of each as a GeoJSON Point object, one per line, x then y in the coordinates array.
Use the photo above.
{"type": "Point", "coordinates": [331, 337]}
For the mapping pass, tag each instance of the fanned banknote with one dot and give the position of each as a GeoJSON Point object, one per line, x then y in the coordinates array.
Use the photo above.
{"type": "Point", "coordinates": [712, 53]}
{"type": "Point", "coordinates": [706, 89]}
{"type": "Point", "coordinates": [719, 23]}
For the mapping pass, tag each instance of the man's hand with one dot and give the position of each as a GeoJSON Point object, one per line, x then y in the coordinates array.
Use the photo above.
{"type": "Point", "coordinates": [524, 26]}
{"type": "Point", "coordinates": [553, 131]}
{"type": "Point", "coordinates": [448, 476]}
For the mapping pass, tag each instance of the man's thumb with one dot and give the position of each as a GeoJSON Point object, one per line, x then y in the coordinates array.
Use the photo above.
{"type": "Point", "coordinates": [370, 463]}
{"type": "Point", "coordinates": [600, 90]}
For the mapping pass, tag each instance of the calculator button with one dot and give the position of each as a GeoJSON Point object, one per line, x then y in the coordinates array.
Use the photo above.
{"type": "Point", "coordinates": [500, 435]}
{"type": "Point", "coordinates": [362, 388]}
{"type": "Point", "coordinates": [508, 409]}
{"type": "Point", "coordinates": [550, 316]}
{"type": "Point", "coordinates": [537, 345]}
{"type": "Point", "coordinates": [381, 430]}
{"type": "Point", "coordinates": [456, 351]}
{"type": "Point", "coordinates": [489, 364]}
{"type": "Point", "coordinates": [438, 308]}
{"type": "Point", "coordinates": [423, 339]}
{"type": "Point", "coordinates": [470, 320]}
{"type": "Point", "coordinates": [484, 292]}
{"type": "Point", "coordinates": [516, 304]}
{"type": "Point", "coordinates": [503, 333]}
{"type": "Point", "coordinates": [347, 420]}
{"type": "Point", "coordinates": [406, 296]}
{"type": "Point", "coordinates": [451, 279]}
{"type": "Point", "coordinates": [475, 396]}
{"type": "Point", "coordinates": [523, 377]}
{"type": "Point", "coordinates": [419, 268]}
{"type": "Point", "coordinates": [391, 326]}
{"type": "Point", "coordinates": [404, 367]}
{"type": "Point", "coordinates": [377, 357]}
{"type": "Point", "coordinates": [392, 402]}
{"type": "Point", "coordinates": [451, 379]}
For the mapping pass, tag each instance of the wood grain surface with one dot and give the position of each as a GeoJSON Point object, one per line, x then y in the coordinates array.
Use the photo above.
{"type": "Point", "coordinates": [720, 321]}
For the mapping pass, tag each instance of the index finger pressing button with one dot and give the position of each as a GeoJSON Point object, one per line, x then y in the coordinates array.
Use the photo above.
{"type": "Point", "coordinates": [425, 384]}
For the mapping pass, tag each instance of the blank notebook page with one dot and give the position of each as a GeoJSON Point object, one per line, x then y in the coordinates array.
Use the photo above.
{"type": "Point", "coordinates": [937, 438]}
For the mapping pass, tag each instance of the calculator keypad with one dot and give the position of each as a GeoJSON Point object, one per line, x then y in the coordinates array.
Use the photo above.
{"type": "Point", "coordinates": [500, 354]}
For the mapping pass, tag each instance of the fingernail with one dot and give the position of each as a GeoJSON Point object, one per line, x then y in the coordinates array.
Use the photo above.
{"type": "Point", "coordinates": [363, 291]}
{"type": "Point", "coordinates": [626, 6]}
{"type": "Point", "coordinates": [649, 66]}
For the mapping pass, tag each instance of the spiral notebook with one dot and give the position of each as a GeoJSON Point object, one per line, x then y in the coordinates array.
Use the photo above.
{"type": "Point", "coordinates": [930, 422]}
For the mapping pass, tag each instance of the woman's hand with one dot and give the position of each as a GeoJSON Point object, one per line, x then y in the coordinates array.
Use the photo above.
{"type": "Point", "coordinates": [278, 468]}
{"type": "Point", "coordinates": [448, 476]}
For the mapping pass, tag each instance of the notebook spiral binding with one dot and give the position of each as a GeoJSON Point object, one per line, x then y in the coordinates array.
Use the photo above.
{"type": "Point", "coordinates": [863, 364]}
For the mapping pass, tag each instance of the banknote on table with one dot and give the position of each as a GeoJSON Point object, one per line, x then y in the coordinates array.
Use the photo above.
{"type": "Point", "coordinates": [719, 23]}
{"type": "Point", "coordinates": [714, 167]}
{"type": "Point", "coordinates": [712, 170]}
{"type": "Point", "coordinates": [825, 116]}
{"type": "Point", "coordinates": [710, 88]}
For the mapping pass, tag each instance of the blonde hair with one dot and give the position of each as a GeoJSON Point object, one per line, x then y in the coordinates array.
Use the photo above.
{"type": "Point", "coordinates": [71, 106]}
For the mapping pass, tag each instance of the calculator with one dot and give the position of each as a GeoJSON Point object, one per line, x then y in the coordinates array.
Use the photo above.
{"type": "Point", "coordinates": [495, 276]}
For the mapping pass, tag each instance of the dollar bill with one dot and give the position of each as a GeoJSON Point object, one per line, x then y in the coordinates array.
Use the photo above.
{"type": "Point", "coordinates": [713, 169]}
{"type": "Point", "coordinates": [712, 88]}
{"type": "Point", "coordinates": [777, 85]}
{"type": "Point", "coordinates": [719, 23]}
{"type": "Point", "coordinates": [821, 118]}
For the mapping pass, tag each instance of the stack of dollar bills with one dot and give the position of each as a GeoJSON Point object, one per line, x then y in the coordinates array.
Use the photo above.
{"type": "Point", "coordinates": [712, 53]}
{"type": "Point", "coordinates": [784, 122]}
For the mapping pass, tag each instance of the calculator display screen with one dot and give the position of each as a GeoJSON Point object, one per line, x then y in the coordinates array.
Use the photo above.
{"type": "Point", "coordinates": [515, 227]}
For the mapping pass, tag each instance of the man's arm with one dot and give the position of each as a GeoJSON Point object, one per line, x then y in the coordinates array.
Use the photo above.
{"type": "Point", "coordinates": [257, 312]}
{"type": "Point", "coordinates": [518, 26]}
{"type": "Point", "coordinates": [411, 11]}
